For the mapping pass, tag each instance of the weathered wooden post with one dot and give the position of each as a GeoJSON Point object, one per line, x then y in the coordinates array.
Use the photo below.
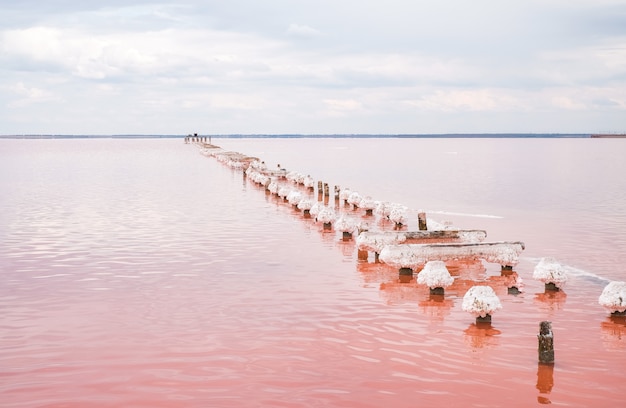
{"type": "Point", "coordinates": [405, 274]}
{"type": "Point", "coordinates": [326, 190]}
{"type": "Point", "coordinates": [546, 343]}
{"type": "Point", "coordinates": [320, 190]}
{"type": "Point", "coordinates": [421, 221]}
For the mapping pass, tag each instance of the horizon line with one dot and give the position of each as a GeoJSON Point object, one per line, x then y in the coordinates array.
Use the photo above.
{"type": "Point", "coordinates": [314, 135]}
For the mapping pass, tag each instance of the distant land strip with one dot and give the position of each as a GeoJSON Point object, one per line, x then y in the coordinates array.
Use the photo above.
{"type": "Point", "coordinates": [609, 135]}
{"type": "Point", "coordinates": [328, 136]}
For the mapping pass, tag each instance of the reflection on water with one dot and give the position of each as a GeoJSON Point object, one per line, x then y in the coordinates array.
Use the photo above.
{"type": "Point", "coordinates": [481, 335]}
{"type": "Point", "coordinates": [551, 300]}
{"type": "Point", "coordinates": [545, 382]}
{"type": "Point", "coordinates": [614, 333]}
{"type": "Point", "coordinates": [142, 273]}
{"type": "Point", "coordinates": [396, 292]}
{"type": "Point", "coordinates": [436, 307]}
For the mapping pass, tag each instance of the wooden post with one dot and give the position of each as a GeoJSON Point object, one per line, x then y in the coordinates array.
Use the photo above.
{"type": "Point", "coordinates": [486, 319]}
{"type": "Point", "coordinates": [550, 286]}
{"type": "Point", "coordinates": [405, 275]}
{"type": "Point", "coordinates": [362, 255]}
{"type": "Point", "coordinates": [326, 190]}
{"type": "Point", "coordinates": [337, 190]}
{"type": "Point", "coordinates": [546, 343]}
{"type": "Point", "coordinates": [421, 221]}
{"type": "Point", "coordinates": [437, 291]}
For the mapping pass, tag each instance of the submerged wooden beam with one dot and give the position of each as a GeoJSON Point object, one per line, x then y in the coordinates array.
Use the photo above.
{"type": "Point", "coordinates": [415, 255]}
{"type": "Point", "coordinates": [375, 241]}
{"type": "Point", "coordinates": [473, 235]}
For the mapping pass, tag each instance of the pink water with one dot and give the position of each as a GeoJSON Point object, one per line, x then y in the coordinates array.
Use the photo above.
{"type": "Point", "coordinates": [139, 273]}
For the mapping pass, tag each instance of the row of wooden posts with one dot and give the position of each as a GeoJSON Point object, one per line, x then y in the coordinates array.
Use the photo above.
{"type": "Point", "coordinates": [197, 139]}
{"type": "Point", "coordinates": [545, 336]}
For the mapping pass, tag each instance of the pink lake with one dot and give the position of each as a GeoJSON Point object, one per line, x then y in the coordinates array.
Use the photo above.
{"type": "Point", "coordinates": [140, 273]}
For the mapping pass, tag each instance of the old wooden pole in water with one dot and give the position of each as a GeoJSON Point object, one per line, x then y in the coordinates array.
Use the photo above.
{"type": "Point", "coordinates": [546, 343]}
{"type": "Point", "coordinates": [421, 221]}
{"type": "Point", "coordinates": [405, 274]}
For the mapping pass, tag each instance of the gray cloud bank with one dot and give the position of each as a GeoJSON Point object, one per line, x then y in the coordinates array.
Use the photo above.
{"type": "Point", "coordinates": [280, 66]}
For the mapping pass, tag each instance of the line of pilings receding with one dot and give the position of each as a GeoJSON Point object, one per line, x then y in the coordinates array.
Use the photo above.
{"type": "Point", "coordinates": [545, 336]}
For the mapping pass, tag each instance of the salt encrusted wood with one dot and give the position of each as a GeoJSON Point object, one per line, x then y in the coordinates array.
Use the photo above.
{"type": "Point", "coordinates": [375, 241]}
{"type": "Point", "coordinates": [415, 255]}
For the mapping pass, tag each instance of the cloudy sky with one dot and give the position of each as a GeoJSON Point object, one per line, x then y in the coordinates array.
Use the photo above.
{"type": "Point", "coordinates": [313, 67]}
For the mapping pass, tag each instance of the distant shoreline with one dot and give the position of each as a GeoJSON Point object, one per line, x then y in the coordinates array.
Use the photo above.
{"type": "Point", "coordinates": [609, 135]}
{"type": "Point", "coordinates": [329, 136]}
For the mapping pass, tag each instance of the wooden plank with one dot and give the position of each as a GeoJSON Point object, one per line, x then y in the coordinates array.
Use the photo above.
{"type": "Point", "coordinates": [375, 241]}
{"type": "Point", "coordinates": [416, 255]}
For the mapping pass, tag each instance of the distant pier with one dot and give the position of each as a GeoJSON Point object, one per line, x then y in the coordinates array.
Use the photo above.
{"type": "Point", "coordinates": [609, 136]}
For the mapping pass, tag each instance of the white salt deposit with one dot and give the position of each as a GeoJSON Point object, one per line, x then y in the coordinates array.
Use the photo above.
{"type": "Point", "coordinates": [434, 225]}
{"type": "Point", "coordinates": [316, 208]}
{"type": "Point", "coordinates": [308, 182]}
{"type": "Point", "coordinates": [383, 208]}
{"type": "Point", "coordinates": [354, 198]}
{"type": "Point", "coordinates": [398, 214]}
{"type": "Point", "coordinates": [345, 224]}
{"type": "Point", "coordinates": [345, 194]}
{"type": "Point", "coordinates": [305, 204]}
{"type": "Point", "coordinates": [375, 241]}
{"type": "Point", "coordinates": [503, 253]}
{"type": "Point", "coordinates": [284, 191]}
{"type": "Point", "coordinates": [481, 301]}
{"type": "Point", "coordinates": [435, 275]}
{"type": "Point", "coordinates": [273, 187]}
{"type": "Point", "coordinates": [400, 256]}
{"type": "Point", "coordinates": [367, 203]}
{"type": "Point", "coordinates": [472, 236]}
{"type": "Point", "coordinates": [326, 215]}
{"type": "Point", "coordinates": [294, 197]}
{"type": "Point", "coordinates": [613, 297]}
{"type": "Point", "coordinates": [548, 270]}
{"type": "Point", "coordinates": [290, 176]}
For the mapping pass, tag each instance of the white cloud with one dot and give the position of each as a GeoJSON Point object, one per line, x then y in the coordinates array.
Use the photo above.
{"type": "Point", "coordinates": [302, 30]}
{"type": "Point", "coordinates": [253, 67]}
{"type": "Point", "coordinates": [30, 95]}
{"type": "Point", "coordinates": [342, 107]}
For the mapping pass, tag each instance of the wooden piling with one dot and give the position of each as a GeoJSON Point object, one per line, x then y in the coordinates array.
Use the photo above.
{"type": "Point", "coordinates": [421, 221]}
{"type": "Point", "coordinates": [406, 271]}
{"type": "Point", "coordinates": [405, 275]}
{"type": "Point", "coordinates": [551, 286]}
{"type": "Point", "coordinates": [546, 343]}
{"type": "Point", "coordinates": [483, 320]}
{"type": "Point", "coordinates": [437, 291]}
{"type": "Point", "coordinates": [362, 255]}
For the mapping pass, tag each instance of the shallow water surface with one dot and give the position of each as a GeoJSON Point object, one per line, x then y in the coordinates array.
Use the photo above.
{"type": "Point", "coordinates": [141, 273]}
